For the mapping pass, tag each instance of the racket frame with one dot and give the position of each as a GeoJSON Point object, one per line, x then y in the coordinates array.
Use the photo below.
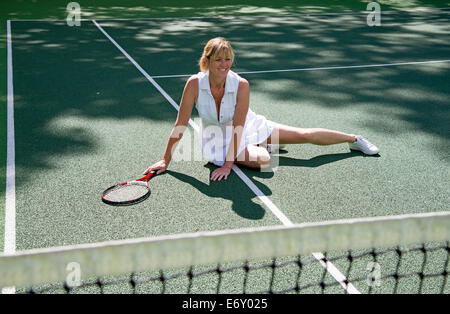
{"type": "Point", "coordinates": [141, 181]}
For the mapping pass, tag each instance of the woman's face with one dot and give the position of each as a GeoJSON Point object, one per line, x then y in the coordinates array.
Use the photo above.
{"type": "Point", "coordinates": [220, 65]}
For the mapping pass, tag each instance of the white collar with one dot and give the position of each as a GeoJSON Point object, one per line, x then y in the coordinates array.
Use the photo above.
{"type": "Point", "coordinates": [204, 83]}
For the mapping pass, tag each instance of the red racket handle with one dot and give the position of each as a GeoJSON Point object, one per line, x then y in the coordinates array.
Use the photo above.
{"type": "Point", "coordinates": [147, 177]}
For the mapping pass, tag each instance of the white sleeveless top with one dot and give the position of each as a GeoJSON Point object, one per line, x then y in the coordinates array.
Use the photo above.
{"type": "Point", "coordinates": [216, 134]}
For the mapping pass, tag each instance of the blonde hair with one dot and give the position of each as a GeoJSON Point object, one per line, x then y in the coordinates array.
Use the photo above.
{"type": "Point", "coordinates": [214, 48]}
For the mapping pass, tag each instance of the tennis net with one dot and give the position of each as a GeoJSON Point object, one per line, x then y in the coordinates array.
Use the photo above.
{"type": "Point", "coordinates": [397, 254]}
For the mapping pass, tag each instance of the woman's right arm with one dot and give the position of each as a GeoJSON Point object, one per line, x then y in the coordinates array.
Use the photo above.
{"type": "Point", "coordinates": [190, 94]}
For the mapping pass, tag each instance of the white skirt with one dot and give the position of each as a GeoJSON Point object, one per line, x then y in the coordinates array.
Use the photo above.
{"type": "Point", "coordinates": [216, 138]}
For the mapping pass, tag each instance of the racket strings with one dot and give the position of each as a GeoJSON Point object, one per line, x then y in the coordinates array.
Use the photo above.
{"type": "Point", "coordinates": [127, 192]}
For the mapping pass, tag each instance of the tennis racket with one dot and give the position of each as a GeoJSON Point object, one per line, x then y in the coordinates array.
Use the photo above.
{"type": "Point", "coordinates": [128, 193]}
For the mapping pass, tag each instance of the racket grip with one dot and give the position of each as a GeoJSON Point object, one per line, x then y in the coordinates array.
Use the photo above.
{"type": "Point", "coordinates": [149, 175]}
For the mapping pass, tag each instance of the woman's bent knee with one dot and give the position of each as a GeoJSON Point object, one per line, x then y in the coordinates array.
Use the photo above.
{"type": "Point", "coordinates": [254, 157]}
{"type": "Point", "coordinates": [264, 159]}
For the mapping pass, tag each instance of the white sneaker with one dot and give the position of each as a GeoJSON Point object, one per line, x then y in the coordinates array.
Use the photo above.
{"type": "Point", "coordinates": [364, 146]}
{"type": "Point", "coordinates": [275, 148]}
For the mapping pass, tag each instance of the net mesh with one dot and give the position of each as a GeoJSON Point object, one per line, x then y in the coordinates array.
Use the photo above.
{"type": "Point", "coordinates": [404, 254]}
{"type": "Point", "coordinates": [122, 193]}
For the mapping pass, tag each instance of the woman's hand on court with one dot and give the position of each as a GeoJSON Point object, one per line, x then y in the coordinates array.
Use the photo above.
{"type": "Point", "coordinates": [159, 167]}
{"type": "Point", "coordinates": [221, 173]}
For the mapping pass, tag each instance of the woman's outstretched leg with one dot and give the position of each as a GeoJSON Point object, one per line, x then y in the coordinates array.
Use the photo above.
{"type": "Point", "coordinates": [284, 134]}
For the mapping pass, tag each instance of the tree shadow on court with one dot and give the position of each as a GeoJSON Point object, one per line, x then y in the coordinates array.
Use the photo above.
{"type": "Point", "coordinates": [98, 9]}
{"type": "Point", "coordinates": [64, 73]}
{"type": "Point", "coordinates": [73, 88]}
{"type": "Point", "coordinates": [414, 95]}
{"type": "Point", "coordinates": [232, 189]}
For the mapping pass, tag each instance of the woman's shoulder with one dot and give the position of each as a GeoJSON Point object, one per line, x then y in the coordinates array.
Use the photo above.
{"type": "Point", "coordinates": [243, 83]}
{"type": "Point", "coordinates": [192, 84]}
{"type": "Point", "coordinates": [196, 78]}
{"type": "Point", "coordinates": [200, 75]}
{"type": "Point", "coordinates": [193, 77]}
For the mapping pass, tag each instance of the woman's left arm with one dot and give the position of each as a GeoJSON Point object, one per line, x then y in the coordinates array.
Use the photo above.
{"type": "Point", "coordinates": [240, 114]}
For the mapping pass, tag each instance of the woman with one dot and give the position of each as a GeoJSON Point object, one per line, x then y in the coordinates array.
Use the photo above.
{"type": "Point", "coordinates": [231, 132]}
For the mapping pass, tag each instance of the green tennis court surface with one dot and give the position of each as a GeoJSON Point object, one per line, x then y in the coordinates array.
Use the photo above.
{"type": "Point", "coordinates": [85, 118]}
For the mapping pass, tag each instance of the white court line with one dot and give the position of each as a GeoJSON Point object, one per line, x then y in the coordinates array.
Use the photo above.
{"type": "Point", "coordinates": [10, 203]}
{"type": "Point", "coordinates": [319, 68]}
{"type": "Point", "coordinates": [319, 256]}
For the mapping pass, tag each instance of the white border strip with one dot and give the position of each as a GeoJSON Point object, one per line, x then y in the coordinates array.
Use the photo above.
{"type": "Point", "coordinates": [326, 264]}
{"type": "Point", "coordinates": [380, 220]}
{"type": "Point", "coordinates": [207, 248]}
{"type": "Point", "coordinates": [10, 203]}
{"type": "Point", "coordinates": [320, 68]}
